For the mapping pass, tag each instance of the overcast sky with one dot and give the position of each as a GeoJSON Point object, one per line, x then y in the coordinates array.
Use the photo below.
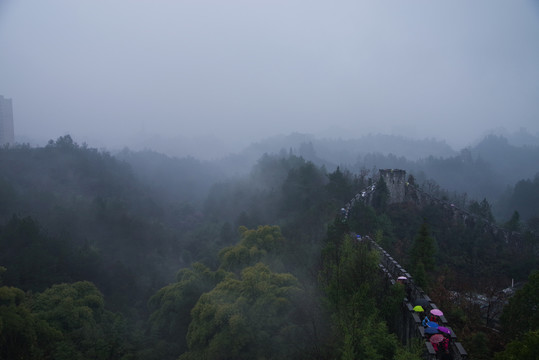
{"type": "Point", "coordinates": [110, 72]}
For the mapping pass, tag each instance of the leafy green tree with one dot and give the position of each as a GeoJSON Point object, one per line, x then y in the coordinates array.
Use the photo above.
{"type": "Point", "coordinates": [391, 304]}
{"type": "Point", "coordinates": [363, 218]}
{"type": "Point", "coordinates": [77, 312]}
{"type": "Point", "coordinates": [264, 244]}
{"type": "Point", "coordinates": [22, 335]}
{"type": "Point", "coordinates": [346, 267]}
{"type": "Point", "coordinates": [35, 260]}
{"type": "Point", "coordinates": [521, 314]}
{"type": "Point", "coordinates": [523, 349]}
{"type": "Point", "coordinates": [303, 189]}
{"type": "Point", "coordinates": [247, 318]}
{"type": "Point", "coordinates": [171, 306]}
{"type": "Point", "coordinates": [354, 289]}
{"type": "Point", "coordinates": [478, 346]}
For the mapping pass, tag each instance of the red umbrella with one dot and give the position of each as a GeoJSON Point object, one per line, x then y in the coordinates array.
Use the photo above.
{"type": "Point", "coordinates": [436, 312]}
{"type": "Point", "coordinates": [436, 338]}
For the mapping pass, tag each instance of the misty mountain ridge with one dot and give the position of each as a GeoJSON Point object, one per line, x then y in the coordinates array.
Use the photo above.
{"type": "Point", "coordinates": [520, 138]}
{"type": "Point", "coordinates": [487, 170]}
{"type": "Point", "coordinates": [330, 152]}
{"type": "Point", "coordinates": [337, 142]}
{"type": "Point", "coordinates": [237, 159]}
{"type": "Point", "coordinates": [511, 161]}
{"type": "Point", "coordinates": [338, 146]}
{"type": "Point", "coordinates": [211, 148]}
{"type": "Point", "coordinates": [333, 152]}
{"type": "Point", "coordinates": [338, 150]}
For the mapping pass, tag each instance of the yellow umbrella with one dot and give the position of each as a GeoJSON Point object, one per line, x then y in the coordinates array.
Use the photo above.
{"type": "Point", "coordinates": [418, 308]}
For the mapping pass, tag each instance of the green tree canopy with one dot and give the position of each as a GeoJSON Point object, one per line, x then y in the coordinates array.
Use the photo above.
{"type": "Point", "coordinates": [514, 222]}
{"type": "Point", "coordinates": [523, 349]}
{"type": "Point", "coordinates": [355, 294]}
{"type": "Point", "coordinates": [77, 312]}
{"type": "Point", "coordinates": [262, 244]}
{"type": "Point", "coordinates": [482, 209]}
{"type": "Point", "coordinates": [422, 255]}
{"type": "Point", "coordinates": [22, 335]}
{"type": "Point", "coordinates": [246, 318]}
{"type": "Point", "coordinates": [380, 196]}
{"type": "Point", "coordinates": [171, 306]}
{"type": "Point", "coordinates": [521, 314]}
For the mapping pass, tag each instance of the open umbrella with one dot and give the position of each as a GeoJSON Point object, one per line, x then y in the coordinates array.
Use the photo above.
{"type": "Point", "coordinates": [436, 338]}
{"type": "Point", "coordinates": [418, 308]}
{"type": "Point", "coordinates": [432, 324]}
{"type": "Point", "coordinates": [402, 278]}
{"type": "Point", "coordinates": [436, 312]}
{"type": "Point", "coordinates": [431, 330]}
{"type": "Point", "coordinates": [444, 329]}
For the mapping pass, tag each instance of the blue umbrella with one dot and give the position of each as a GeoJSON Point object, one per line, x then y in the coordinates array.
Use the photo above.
{"type": "Point", "coordinates": [431, 330]}
{"type": "Point", "coordinates": [432, 324]}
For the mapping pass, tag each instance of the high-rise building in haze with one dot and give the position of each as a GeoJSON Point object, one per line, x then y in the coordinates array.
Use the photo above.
{"type": "Point", "coordinates": [7, 132]}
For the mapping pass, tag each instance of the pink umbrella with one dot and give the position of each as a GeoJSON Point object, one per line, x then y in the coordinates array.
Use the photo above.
{"type": "Point", "coordinates": [444, 329]}
{"type": "Point", "coordinates": [436, 338]}
{"type": "Point", "coordinates": [436, 312]}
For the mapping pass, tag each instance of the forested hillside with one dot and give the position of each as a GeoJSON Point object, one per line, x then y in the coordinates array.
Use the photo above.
{"type": "Point", "coordinates": [142, 256]}
{"type": "Point", "coordinates": [489, 169]}
{"type": "Point", "coordinates": [73, 213]}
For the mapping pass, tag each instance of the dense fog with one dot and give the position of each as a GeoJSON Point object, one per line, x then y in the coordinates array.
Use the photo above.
{"type": "Point", "coordinates": [209, 78]}
{"type": "Point", "coordinates": [202, 180]}
{"type": "Point", "coordinates": [155, 249]}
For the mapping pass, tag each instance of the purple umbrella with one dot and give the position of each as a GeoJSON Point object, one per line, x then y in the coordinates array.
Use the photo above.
{"type": "Point", "coordinates": [436, 312]}
{"type": "Point", "coordinates": [444, 330]}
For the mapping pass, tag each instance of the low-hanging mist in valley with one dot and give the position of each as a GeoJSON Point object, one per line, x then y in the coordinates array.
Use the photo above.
{"type": "Point", "coordinates": [189, 178]}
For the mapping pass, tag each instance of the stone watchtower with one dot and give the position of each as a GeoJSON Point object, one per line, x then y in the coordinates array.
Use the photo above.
{"type": "Point", "coordinates": [395, 180]}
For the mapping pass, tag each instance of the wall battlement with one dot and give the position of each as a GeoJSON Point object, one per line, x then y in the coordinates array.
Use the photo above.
{"type": "Point", "coordinates": [401, 191]}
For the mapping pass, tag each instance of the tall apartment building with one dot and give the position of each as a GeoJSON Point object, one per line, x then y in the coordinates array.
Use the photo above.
{"type": "Point", "coordinates": [7, 131]}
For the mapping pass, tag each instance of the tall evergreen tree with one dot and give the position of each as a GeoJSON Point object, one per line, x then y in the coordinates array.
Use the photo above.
{"type": "Point", "coordinates": [380, 197]}
{"type": "Point", "coordinates": [514, 223]}
{"type": "Point", "coordinates": [422, 256]}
